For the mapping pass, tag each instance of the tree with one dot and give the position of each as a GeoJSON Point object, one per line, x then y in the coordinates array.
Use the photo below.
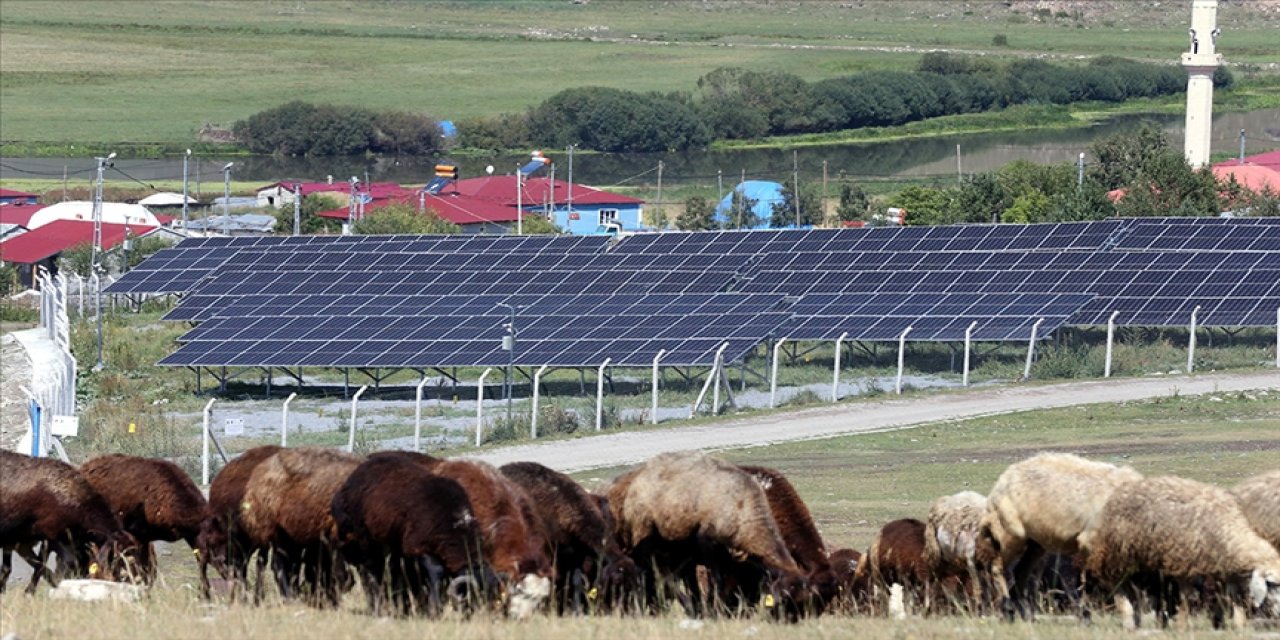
{"type": "Point", "coordinates": [402, 218]}
{"type": "Point", "coordinates": [925, 205]}
{"type": "Point", "coordinates": [742, 212]}
{"type": "Point", "coordinates": [854, 203]}
{"type": "Point", "coordinates": [311, 223]}
{"type": "Point", "coordinates": [981, 198]}
{"type": "Point", "coordinates": [76, 259]}
{"type": "Point", "coordinates": [784, 212]}
{"type": "Point", "coordinates": [533, 224]}
{"type": "Point", "coordinates": [1032, 206]}
{"type": "Point", "coordinates": [699, 215]}
{"type": "Point", "coordinates": [1122, 157]}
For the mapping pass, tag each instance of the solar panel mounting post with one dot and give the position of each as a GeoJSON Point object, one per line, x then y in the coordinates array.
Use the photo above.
{"type": "Point", "coordinates": [284, 420]}
{"type": "Point", "coordinates": [600, 393]}
{"type": "Point", "coordinates": [902, 350]}
{"type": "Point", "coordinates": [712, 379]}
{"type": "Point", "coordinates": [480, 404]}
{"type": "Point", "coordinates": [1278, 337]}
{"type": "Point", "coordinates": [417, 415]}
{"type": "Point", "coordinates": [1191, 341]}
{"type": "Point", "coordinates": [1111, 336]}
{"type": "Point", "coordinates": [351, 433]}
{"type": "Point", "coordinates": [773, 377]}
{"type": "Point", "coordinates": [835, 375]}
{"type": "Point", "coordinates": [204, 445]}
{"type": "Point", "coordinates": [533, 419]}
{"type": "Point", "coordinates": [1031, 349]}
{"type": "Point", "coordinates": [968, 348]}
{"type": "Point", "coordinates": [653, 412]}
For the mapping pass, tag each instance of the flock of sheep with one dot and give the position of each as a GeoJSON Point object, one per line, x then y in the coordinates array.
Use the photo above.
{"type": "Point", "coordinates": [424, 534]}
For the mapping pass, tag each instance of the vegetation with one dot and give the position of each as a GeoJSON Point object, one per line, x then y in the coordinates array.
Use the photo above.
{"type": "Point", "coordinates": [300, 128]}
{"type": "Point", "coordinates": [311, 223]}
{"type": "Point", "coordinates": [402, 218]}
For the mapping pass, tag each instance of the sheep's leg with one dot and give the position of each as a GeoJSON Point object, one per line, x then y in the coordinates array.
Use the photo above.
{"type": "Point", "coordinates": [38, 568]}
{"type": "Point", "coordinates": [1026, 582]}
{"type": "Point", "coordinates": [6, 566]}
{"type": "Point", "coordinates": [433, 573]}
{"type": "Point", "coordinates": [258, 578]}
{"type": "Point", "coordinates": [1129, 605]}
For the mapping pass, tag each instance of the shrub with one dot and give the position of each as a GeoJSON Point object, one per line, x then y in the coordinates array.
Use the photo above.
{"type": "Point", "coordinates": [300, 128]}
{"type": "Point", "coordinates": [402, 218]}
{"type": "Point", "coordinates": [1000, 40]}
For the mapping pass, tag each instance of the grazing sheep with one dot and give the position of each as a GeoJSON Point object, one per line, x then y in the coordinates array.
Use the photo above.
{"type": "Point", "coordinates": [393, 514]}
{"type": "Point", "coordinates": [589, 563]}
{"type": "Point", "coordinates": [1038, 505]}
{"type": "Point", "coordinates": [286, 507]}
{"type": "Point", "coordinates": [896, 556]}
{"type": "Point", "coordinates": [227, 544]}
{"type": "Point", "coordinates": [950, 543]}
{"type": "Point", "coordinates": [513, 541]}
{"type": "Point", "coordinates": [1181, 531]}
{"type": "Point", "coordinates": [1259, 498]}
{"type": "Point", "coordinates": [48, 503]}
{"type": "Point", "coordinates": [681, 508]}
{"type": "Point", "coordinates": [154, 499]}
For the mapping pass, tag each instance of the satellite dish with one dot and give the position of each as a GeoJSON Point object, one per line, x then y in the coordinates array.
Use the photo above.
{"type": "Point", "coordinates": [489, 169]}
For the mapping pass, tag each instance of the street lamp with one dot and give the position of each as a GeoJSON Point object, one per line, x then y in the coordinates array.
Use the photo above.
{"type": "Point", "coordinates": [509, 345]}
{"type": "Point", "coordinates": [96, 251]}
{"type": "Point", "coordinates": [185, 159]}
{"type": "Point", "coordinates": [226, 197]}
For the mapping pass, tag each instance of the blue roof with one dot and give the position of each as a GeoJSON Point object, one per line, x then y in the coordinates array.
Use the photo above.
{"type": "Point", "coordinates": [763, 192]}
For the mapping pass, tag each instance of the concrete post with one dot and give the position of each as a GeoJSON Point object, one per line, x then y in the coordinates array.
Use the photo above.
{"type": "Point", "coordinates": [600, 393]}
{"type": "Point", "coordinates": [204, 445]}
{"type": "Point", "coordinates": [968, 344]}
{"type": "Point", "coordinates": [902, 351]}
{"type": "Point", "coordinates": [417, 416]}
{"type": "Point", "coordinates": [533, 420]}
{"type": "Point", "coordinates": [835, 374]}
{"type": "Point", "coordinates": [1031, 349]}
{"type": "Point", "coordinates": [351, 433]}
{"type": "Point", "coordinates": [773, 376]}
{"type": "Point", "coordinates": [1111, 336]}
{"type": "Point", "coordinates": [284, 420]}
{"type": "Point", "coordinates": [1191, 342]}
{"type": "Point", "coordinates": [653, 412]}
{"type": "Point", "coordinates": [480, 404]}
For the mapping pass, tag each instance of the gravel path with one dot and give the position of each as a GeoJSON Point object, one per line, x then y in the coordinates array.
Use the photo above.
{"type": "Point", "coordinates": [825, 422]}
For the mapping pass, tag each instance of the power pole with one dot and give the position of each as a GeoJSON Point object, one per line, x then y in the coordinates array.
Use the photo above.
{"type": "Point", "coordinates": [569, 198]}
{"type": "Point", "coordinates": [824, 190]}
{"type": "Point", "coordinates": [64, 183]}
{"type": "Point", "coordinates": [658, 218]}
{"type": "Point", "coordinates": [741, 197]}
{"type": "Point", "coordinates": [297, 209]}
{"type": "Point", "coordinates": [795, 183]}
{"type": "Point", "coordinates": [959, 173]}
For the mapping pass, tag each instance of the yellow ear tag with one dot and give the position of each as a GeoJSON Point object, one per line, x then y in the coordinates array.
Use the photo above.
{"type": "Point", "coordinates": [93, 569]}
{"type": "Point", "coordinates": [195, 552]}
{"type": "Point", "coordinates": [591, 595]}
{"type": "Point", "coordinates": [768, 599]}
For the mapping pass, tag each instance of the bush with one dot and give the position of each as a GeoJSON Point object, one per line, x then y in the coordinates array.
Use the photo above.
{"type": "Point", "coordinates": [402, 218]}
{"type": "Point", "coordinates": [299, 128]}
{"type": "Point", "coordinates": [1000, 40]}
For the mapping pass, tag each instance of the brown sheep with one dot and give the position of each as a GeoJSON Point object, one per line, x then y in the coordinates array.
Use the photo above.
{"type": "Point", "coordinates": [1182, 531]}
{"type": "Point", "coordinates": [681, 508]}
{"type": "Point", "coordinates": [844, 563]}
{"type": "Point", "coordinates": [579, 537]}
{"type": "Point", "coordinates": [392, 513]}
{"type": "Point", "coordinates": [287, 507]}
{"type": "Point", "coordinates": [154, 499]}
{"type": "Point", "coordinates": [512, 542]}
{"type": "Point", "coordinates": [1259, 498]}
{"type": "Point", "coordinates": [896, 556]}
{"type": "Point", "coordinates": [950, 545]}
{"type": "Point", "coordinates": [49, 503]}
{"type": "Point", "coordinates": [1041, 504]}
{"type": "Point", "coordinates": [232, 548]}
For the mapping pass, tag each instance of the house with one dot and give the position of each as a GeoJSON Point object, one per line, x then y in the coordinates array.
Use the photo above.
{"type": "Point", "coordinates": [11, 197]}
{"type": "Point", "coordinates": [16, 218]}
{"type": "Point", "coordinates": [280, 194]}
{"type": "Point", "coordinates": [578, 209]}
{"type": "Point", "coordinates": [473, 215]}
{"type": "Point", "coordinates": [41, 246]}
{"type": "Point", "coordinates": [166, 199]}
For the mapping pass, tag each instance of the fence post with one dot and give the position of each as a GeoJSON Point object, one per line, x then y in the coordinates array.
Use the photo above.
{"type": "Point", "coordinates": [600, 393]}
{"type": "Point", "coordinates": [480, 404]}
{"type": "Point", "coordinates": [204, 445]}
{"type": "Point", "coordinates": [773, 377]}
{"type": "Point", "coordinates": [284, 420]}
{"type": "Point", "coordinates": [1191, 342]}
{"type": "Point", "coordinates": [1031, 350]}
{"type": "Point", "coordinates": [968, 344]}
{"type": "Point", "coordinates": [653, 413]}
{"type": "Point", "coordinates": [533, 419]}
{"type": "Point", "coordinates": [1111, 336]}
{"type": "Point", "coordinates": [417, 416]}
{"type": "Point", "coordinates": [902, 350]}
{"type": "Point", "coordinates": [835, 375]}
{"type": "Point", "coordinates": [351, 433]}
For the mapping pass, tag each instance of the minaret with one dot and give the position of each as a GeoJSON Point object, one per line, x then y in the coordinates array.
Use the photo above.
{"type": "Point", "coordinates": [1201, 61]}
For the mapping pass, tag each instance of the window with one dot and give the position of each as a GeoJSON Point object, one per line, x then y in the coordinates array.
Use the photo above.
{"type": "Point", "coordinates": [608, 216]}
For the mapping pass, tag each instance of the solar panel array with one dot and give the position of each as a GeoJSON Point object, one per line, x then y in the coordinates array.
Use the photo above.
{"type": "Point", "coordinates": [420, 301]}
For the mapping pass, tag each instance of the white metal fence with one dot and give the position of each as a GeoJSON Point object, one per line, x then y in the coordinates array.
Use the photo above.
{"type": "Point", "coordinates": [53, 400]}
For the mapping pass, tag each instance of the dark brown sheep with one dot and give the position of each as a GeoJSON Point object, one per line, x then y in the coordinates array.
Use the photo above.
{"type": "Point", "coordinates": [512, 543]}
{"type": "Point", "coordinates": [227, 544]}
{"type": "Point", "coordinates": [897, 556]}
{"type": "Point", "coordinates": [799, 533]}
{"type": "Point", "coordinates": [589, 563]}
{"type": "Point", "coordinates": [393, 514]}
{"type": "Point", "coordinates": [844, 563]}
{"type": "Point", "coordinates": [155, 500]}
{"type": "Point", "coordinates": [680, 510]}
{"type": "Point", "coordinates": [48, 503]}
{"type": "Point", "coordinates": [286, 507]}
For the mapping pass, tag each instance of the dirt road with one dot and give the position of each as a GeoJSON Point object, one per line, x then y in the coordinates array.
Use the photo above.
{"type": "Point", "coordinates": [825, 422]}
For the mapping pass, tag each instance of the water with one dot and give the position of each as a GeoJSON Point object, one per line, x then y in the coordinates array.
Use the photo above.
{"type": "Point", "coordinates": [934, 157]}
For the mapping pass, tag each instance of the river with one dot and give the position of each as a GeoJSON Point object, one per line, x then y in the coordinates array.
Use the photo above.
{"type": "Point", "coordinates": [927, 157]}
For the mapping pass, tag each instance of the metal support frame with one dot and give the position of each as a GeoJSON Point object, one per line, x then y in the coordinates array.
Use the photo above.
{"type": "Point", "coordinates": [1111, 337]}
{"type": "Point", "coordinates": [351, 433]}
{"type": "Point", "coordinates": [713, 378]}
{"type": "Point", "coordinates": [1278, 337]}
{"type": "Point", "coordinates": [968, 349]}
{"type": "Point", "coordinates": [773, 377]}
{"type": "Point", "coordinates": [417, 415]}
{"type": "Point", "coordinates": [533, 418]}
{"type": "Point", "coordinates": [204, 444]}
{"type": "Point", "coordinates": [1031, 349]}
{"type": "Point", "coordinates": [600, 393]}
{"type": "Point", "coordinates": [480, 404]}
{"type": "Point", "coordinates": [653, 411]}
{"type": "Point", "coordinates": [284, 420]}
{"type": "Point", "coordinates": [1191, 342]}
{"type": "Point", "coordinates": [835, 370]}
{"type": "Point", "coordinates": [902, 350]}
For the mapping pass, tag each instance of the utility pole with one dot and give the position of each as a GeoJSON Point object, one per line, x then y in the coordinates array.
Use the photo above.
{"type": "Point", "coordinates": [795, 183]}
{"type": "Point", "coordinates": [96, 252]}
{"type": "Point", "coordinates": [64, 183]}
{"type": "Point", "coordinates": [297, 209]}
{"type": "Point", "coordinates": [659, 216]}
{"type": "Point", "coordinates": [959, 173]}
{"type": "Point", "coordinates": [64, 178]}
{"type": "Point", "coordinates": [824, 190]}
{"type": "Point", "coordinates": [519, 201]}
{"type": "Point", "coordinates": [1080, 172]}
{"type": "Point", "coordinates": [185, 208]}
{"type": "Point", "coordinates": [569, 197]}
{"type": "Point", "coordinates": [719, 186]}
{"type": "Point", "coordinates": [226, 197]}
{"type": "Point", "coordinates": [741, 196]}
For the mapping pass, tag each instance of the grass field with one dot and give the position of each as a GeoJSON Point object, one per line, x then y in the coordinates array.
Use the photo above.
{"type": "Point", "coordinates": [852, 485]}
{"type": "Point", "coordinates": [143, 71]}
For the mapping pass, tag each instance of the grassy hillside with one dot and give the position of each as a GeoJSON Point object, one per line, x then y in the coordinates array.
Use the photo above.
{"type": "Point", "coordinates": [145, 71]}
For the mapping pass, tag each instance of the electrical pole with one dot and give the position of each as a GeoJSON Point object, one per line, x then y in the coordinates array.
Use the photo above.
{"type": "Point", "coordinates": [959, 173]}
{"type": "Point", "coordinates": [297, 209]}
{"type": "Point", "coordinates": [740, 195]}
{"type": "Point", "coordinates": [795, 183]}
{"type": "Point", "coordinates": [226, 197]}
{"type": "Point", "coordinates": [185, 208]}
{"type": "Point", "coordinates": [96, 252]}
{"type": "Point", "coordinates": [1080, 172]}
{"type": "Point", "coordinates": [1241, 149]}
{"type": "Point", "coordinates": [519, 201]}
{"type": "Point", "coordinates": [569, 197]}
{"type": "Point", "coordinates": [824, 190]}
{"type": "Point", "coordinates": [660, 217]}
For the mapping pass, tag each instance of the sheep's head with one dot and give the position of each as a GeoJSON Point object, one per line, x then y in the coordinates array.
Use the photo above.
{"type": "Point", "coordinates": [527, 594]}
{"type": "Point", "coordinates": [212, 545]}
{"type": "Point", "coordinates": [1264, 589]}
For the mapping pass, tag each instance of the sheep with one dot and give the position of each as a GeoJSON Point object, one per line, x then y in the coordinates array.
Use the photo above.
{"type": "Point", "coordinates": [680, 507]}
{"type": "Point", "coordinates": [392, 513]}
{"type": "Point", "coordinates": [1041, 504]}
{"type": "Point", "coordinates": [512, 542]}
{"type": "Point", "coordinates": [588, 559]}
{"type": "Point", "coordinates": [1181, 531]}
{"type": "Point", "coordinates": [844, 563]}
{"type": "Point", "coordinates": [232, 548]}
{"type": "Point", "coordinates": [950, 541]}
{"type": "Point", "coordinates": [48, 501]}
{"type": "Point", "coordinates": [155, 500]}
{"type": "Point", "coordinates": [896, 556]}
{"type": "Point", "coordinates": [1259, 498]}
{"type": "Point", "coordinates": [286, 507]}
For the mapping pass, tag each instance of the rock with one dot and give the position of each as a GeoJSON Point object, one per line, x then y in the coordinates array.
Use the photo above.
{"type": "Point", "coordinates": [96, 591]}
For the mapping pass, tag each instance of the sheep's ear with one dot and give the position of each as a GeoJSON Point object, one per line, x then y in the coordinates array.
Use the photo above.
{"type": "Point", "coordinates": [1257, 588]}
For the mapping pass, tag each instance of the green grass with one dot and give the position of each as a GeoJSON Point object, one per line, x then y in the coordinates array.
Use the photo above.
{"type": "Point", "coordinates": [96, 72]}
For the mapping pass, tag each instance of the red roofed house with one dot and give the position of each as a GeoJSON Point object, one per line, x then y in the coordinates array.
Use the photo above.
{"type": "Point", "coordinates": [591, 207]}
{"type": "Point", "coordinates": [1256, 173]}
{"type": "Point", "coordinates": [280, 194]}
{"type": "Point", "coordinates": [474, 215]}
{"type": "Point", "coordinates": [11, 197]}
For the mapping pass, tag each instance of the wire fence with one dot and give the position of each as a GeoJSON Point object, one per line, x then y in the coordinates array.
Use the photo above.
{"type": "Point", "coordinates": [53, 399]}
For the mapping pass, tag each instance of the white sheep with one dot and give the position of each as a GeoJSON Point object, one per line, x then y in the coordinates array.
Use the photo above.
{"type": "Point", "coordinates": [950, 539]}
{"type": "Point", "coordinates": [1042, 504]}
{"type": "Point", "coordinates": [1259, 498]}
{"type": "Point", "coordinates": [1182, 531]}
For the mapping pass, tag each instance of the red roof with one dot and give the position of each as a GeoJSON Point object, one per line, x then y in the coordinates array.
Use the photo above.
{"type": "Point", "coordinates": [376, 189]}
{"type": "Point", "coordinates": [536, 191]}
{"type": "Point", "coordinates": [10, 193]}
{"type": "Point", "coordinates": [1252, 177]}
{"type": "Point", "coordinates": [163, 219]}
{"type": "Point", "coordinates": [1270, 159]}
{"type": "Point", "coordinates": [59, 235]}
{"type": "Point", "coordinates": [453, 207]}
{"type": "Point", "coordinates": [19, 214]}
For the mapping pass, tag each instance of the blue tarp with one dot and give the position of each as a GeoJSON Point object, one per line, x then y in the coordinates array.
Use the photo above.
{"type": "Point", "coordinates": [763, 192]}
{"type": "Point", "coordinates": [448, 129]}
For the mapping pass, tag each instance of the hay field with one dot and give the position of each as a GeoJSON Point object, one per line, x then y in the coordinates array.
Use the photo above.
{"type": "Point", "coordinates": [852, 485]}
